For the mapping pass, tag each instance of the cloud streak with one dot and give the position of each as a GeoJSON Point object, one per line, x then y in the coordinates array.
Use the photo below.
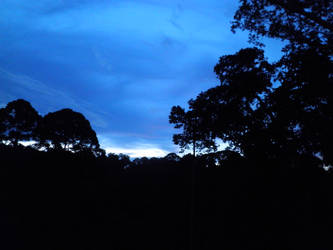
{"type": "Point", "coordinates": [42, 93]}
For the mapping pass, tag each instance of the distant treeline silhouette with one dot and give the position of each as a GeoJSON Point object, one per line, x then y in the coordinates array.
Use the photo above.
{"type": "Point", "coordinates": [271, 188]}
{"type": "Point", "coordinates": [65, 200]}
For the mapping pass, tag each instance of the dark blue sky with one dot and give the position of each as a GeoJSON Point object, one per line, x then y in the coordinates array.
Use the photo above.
{"type": "Point", "coordinates": [123, 64]}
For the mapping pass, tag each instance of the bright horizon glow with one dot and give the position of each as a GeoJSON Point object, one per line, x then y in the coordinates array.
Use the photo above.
{"type": "Point", "coordinates": [27, 143]}
{"type": "Point", "coordinates": [133, 150]}
{"type": "Point", "coordinates": [137, 152]}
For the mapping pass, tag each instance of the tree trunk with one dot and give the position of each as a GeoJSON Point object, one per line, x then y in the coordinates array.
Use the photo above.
{"type": "Point", "coordinates": [192, 203]}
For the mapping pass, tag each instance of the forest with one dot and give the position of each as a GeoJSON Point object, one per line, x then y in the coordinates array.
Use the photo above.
{"type": "Point", "coordinates": [270, 188]}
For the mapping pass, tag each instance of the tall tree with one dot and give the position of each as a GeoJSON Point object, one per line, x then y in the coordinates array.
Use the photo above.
{"type": "Point", "coordinates": [303, 102]}
{"type": "Point", "coordinates": [192, 134]}
{"type": "Point", "coordinates": [68, 130]}
{"type": "Point", "coordinates": [292, 119]}
{"type": "Point", "coordinates": [18, 122]}
{"type": "Point", "coordinates": [230, 110]}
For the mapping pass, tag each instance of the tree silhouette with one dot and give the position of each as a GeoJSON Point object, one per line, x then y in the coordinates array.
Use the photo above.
{"type": "Point", "coordinates": [233, 109]}
{"type": "Point", "coordinates": [301, 23]}
{"type": "Point", "coordinates": [303, 103]}
{"type": "Point", "coordinates": [189, 123]}
{"type": "Point", "coordinates": [289, 120]}
{"type": "Point", "coordinates": [68, 130]}
{"type": "Point", "coordinates": [172, 157]}
{"type": "Point", "coordinates": [3, 125]}
{"type": "Point", "coordinates": [18, 122]}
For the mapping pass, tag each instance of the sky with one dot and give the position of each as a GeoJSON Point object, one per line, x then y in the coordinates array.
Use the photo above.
{"type": "Point", "coordinates": [122, 64]}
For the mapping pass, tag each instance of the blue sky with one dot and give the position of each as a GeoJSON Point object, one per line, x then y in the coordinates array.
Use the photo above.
{"type": "Point", "coordinates": [123, 64]}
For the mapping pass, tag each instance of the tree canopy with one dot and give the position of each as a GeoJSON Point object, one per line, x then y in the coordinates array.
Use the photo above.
{"type": "Point", "coordinates": [281, 111]}
{"type": "Point", "coordinates": [62, 130]}
{"type": "Point", "coordinates": [302, 23]}
{"type": "Point", "coordinates": [18, 122]}
{"type": "Point", "coordinates": [69, 130]}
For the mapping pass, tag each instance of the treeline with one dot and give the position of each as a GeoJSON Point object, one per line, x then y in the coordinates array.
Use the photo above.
{"type": "Point", "coordinates": [65, 200]}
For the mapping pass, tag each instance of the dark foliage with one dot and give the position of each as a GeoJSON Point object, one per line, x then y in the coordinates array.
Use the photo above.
{"type": "Point", "coordinates": [18, 122]}
{"type": "Point", "coordinates": [61, 130]}
{"type": "Point", "coordinates": [271, 112]}
{"type": "Point", "coordinates": [68, 130]}
{"type": "Point", "coordinates": [277, 120]}
{"type": "Point", "coordinates": [301, 23]}
{"type": "Point", "coordinates": [62, 200]}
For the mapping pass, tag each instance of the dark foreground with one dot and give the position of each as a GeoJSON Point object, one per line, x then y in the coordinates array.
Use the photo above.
{"type": "Point", "coordinates": [63, 201]}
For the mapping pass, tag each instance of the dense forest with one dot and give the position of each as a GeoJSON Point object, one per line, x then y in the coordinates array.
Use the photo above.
{"type": "Point", "coordinates": [270, 188]}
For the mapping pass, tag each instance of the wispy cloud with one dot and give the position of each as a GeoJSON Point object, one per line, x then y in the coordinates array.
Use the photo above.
{"type": "Point", "coordinates": [30, 84]}
{"type": "Point", "coordinates": [45, 95]}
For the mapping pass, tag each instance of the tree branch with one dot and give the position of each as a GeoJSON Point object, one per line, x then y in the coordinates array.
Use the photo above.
{"type": "Point", "coordinates": [308, 15]}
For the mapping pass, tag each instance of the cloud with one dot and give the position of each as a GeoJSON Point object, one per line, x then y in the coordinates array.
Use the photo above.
{"type": "Point", "coordinates": [33, 85]}
{"type": "Point", "coordinates": [46, 96]}
{"type": "Point", "coordinates": [123, 64]}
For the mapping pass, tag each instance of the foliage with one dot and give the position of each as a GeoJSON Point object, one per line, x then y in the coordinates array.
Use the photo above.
{"type": "Point", "coordinates": [18, 122]}
{"type": "Point", "coordinates": [234, 108]}
{"type": "Point", "coordinates": [192, 126]}
{"type": "Point", "coordinates": [69, 130]}
{"type": "Point", "coordinates": [281, 111]}
{"type": "Point", "coordinates": [60, 130]}
{"type": "Point", "coordinates": [302, 23]}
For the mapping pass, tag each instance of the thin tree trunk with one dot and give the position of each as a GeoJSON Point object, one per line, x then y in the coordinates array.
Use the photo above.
{"type": "Point", "coordinates": [194, 148]}
{"type": "Point", "coordinates": [192, 208]}
{"type": "Point", "coordinates": [192, 202]}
